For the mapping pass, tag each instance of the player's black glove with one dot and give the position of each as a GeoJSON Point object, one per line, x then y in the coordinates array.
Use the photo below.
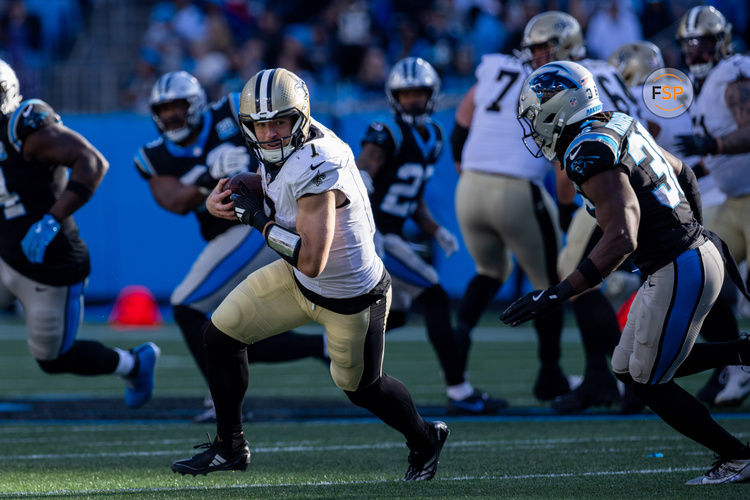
{"type": "Point", "coordinates": [248, 207]}
{"type": "Point", "coordinates": [700, 145]}
{"type": "Point", "coordinates": [533, 303]}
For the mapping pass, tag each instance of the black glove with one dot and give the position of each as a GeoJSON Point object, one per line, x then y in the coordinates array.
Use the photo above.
{"type": "Point", "coordinates": [533, 303]}
{"type": "Point", "coordinates": [248, 207]}
{"type": "Point", "coordinates": [701, 145]}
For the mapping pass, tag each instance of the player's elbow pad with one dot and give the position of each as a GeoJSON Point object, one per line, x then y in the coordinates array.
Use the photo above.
{"type": "Point", "coordinates": [285, 243]}
{"type": "Point", "coordinates": [458, 139]}
{"type": "Point", "coordinates": [689, 184]}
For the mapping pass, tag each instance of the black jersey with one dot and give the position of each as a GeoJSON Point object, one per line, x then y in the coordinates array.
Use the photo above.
{"type": "Point", "coordinates": [163, 157]}
{"type": "Point", "coordinates": [27, 192]}
{"type": "Point", "coordinates": [667, 225]}
{"type": "Point", "coordinates": [409, 164]}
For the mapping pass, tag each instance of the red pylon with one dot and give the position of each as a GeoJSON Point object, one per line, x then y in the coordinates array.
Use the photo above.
{"type": "Point", "coordinates": [135, 307]}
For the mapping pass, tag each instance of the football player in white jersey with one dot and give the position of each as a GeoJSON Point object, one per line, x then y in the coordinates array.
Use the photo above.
{"type": "Point", "coordinates": [199, 144]}
{"type": "Point", "coordinates": [315, 213]}
{"type": "Point", "coordinates": [503, 208]}
{"type": "Point", "coordinates": [721, 135]}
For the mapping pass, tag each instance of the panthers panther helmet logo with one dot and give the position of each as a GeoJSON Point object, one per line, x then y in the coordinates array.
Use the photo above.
{"type": "Point", "coordinates": [412, 73]}
{"type": "Point", "coordinates": [270, 94]}
{"type": "Point", "coordinates": [704, 36]}
{"type": "Point", "coordinates": [558, 29]}
{"type": "Point", "coordinates": [635, 61]}
{"type": "Point", "coordinates": [552, 97]}
{"type": "Point", "coordinates": [179, 86]}
{"type": "Point", "coordinates": [10, 96]}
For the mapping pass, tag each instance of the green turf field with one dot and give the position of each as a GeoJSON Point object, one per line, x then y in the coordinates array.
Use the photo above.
{"type": "Point", "coordinates": [525, 453]}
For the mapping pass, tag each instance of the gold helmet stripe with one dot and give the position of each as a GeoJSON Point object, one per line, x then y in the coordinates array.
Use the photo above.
{"type": "Point", "coordinates": [693, 18]}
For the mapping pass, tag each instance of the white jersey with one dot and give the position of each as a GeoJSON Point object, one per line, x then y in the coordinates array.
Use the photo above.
{"type": "Point", "coordinates": [711, 116]}
{"type": "Point", "coordinates": [326, 163]}
{"type": "Point", "coordinates": [495, 144]}
{"type": "Point", "coordinates": [613, 91]}
{"type": "Point", "coordinates": [669, 129]}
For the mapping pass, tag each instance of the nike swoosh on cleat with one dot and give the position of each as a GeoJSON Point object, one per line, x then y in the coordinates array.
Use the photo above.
{"type": "Point", "coordinates": [313, 167]}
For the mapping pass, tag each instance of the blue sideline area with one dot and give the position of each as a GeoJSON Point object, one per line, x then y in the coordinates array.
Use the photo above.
{"type": "Point", "coordinates": [133, 241]}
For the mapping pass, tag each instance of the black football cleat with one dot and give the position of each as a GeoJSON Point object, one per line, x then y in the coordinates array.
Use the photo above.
{"type": "Point", "coordinates": [423, 463]}
{"type": "Point", "coordinates": [478, 403]}
{"type": "Point", "coordinates": [602, 392]}
{"type": "Point", "coordinates": [550, 383]}
{"type": "Point", "coordinates": [218, 456]}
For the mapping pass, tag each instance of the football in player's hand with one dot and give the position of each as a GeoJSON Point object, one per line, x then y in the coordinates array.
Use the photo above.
{"type": "Point", "coordinates": [252, 182]}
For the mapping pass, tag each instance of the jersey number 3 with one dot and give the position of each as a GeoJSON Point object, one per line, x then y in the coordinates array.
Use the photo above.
{"type": "Point", "coordinates": [640, 147]}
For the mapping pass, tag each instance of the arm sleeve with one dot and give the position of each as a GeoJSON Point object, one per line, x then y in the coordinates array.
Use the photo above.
{"type": "Point", "coordinates": [458, 139]}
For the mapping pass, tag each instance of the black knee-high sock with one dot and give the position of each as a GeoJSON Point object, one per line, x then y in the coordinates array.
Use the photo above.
{"type": "Point", "coordinates": [437, 315]}
{"type": "Point", "coordinates": [599, 329]}
{"type": "Point", "coordinates": [85, 357]}
{"type": "Point", "coordinates": [227, 379]}
{"type": "Point", "coordinates": [478, 295]}
{"type": "Point", "coordinates": [688, 416]}
{"type": "Point", "coordinates": [286, 346]}
{"type": "Point", "coordinates": [549, 328]}
{"type": "Point", "coordinates": [389, 400]}
{"type": "Point", "coordinates": [720, 324]}
{"type": "Point", "coordinates": [191, 323]}
{"type": "Point", "coordinates": [705, 356]}
{"type": "Point", "coordinates": [396, 319]}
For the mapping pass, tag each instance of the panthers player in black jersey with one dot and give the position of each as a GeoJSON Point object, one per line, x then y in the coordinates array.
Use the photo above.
{"type": "Point", "coordinates": [199, 145]}
{"type": "Point", "coordinates": [647, 204]}
{"type": "Point", "coordinates": [44, 263]}
{"type": "Point", "coordinates": [548, 37]}
{"type": "Point", "coordinates": [397, 160]}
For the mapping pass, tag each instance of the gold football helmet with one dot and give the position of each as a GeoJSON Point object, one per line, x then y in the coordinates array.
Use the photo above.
{"type": "Point", "coordinates": [557, 29]}
{"type": "Point", "coordinates": [10, 96]}
{"type": "Point", "coordinates": [270, 94]}
{"type": "Point", "coordinates": [704, 36]}
{"type": "Point", "coordinates": [635, 61]}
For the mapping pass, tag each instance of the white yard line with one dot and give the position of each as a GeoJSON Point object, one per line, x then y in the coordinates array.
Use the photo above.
{"type": "Point", "coordinates": [637, 472]}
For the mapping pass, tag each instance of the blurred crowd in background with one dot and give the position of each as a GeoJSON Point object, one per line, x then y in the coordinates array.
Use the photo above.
{"type": "Point", "coordinates": [342, 48]}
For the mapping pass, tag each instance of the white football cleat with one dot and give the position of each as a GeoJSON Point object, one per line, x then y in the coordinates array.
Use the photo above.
{"type": "Point", "coordinates": [737, 387]}
{"type": "Point", "coordinates": [725, 471]}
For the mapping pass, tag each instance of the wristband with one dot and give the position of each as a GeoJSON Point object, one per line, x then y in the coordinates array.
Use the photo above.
{"type": "Point", "coordinates": [82, 190]}
{"type": "Point", "coordinates": [590, 273]}
{"type": "Point", "coordinates": [285, 243]}
{"type": "Point", "coordinates": [458, 139]}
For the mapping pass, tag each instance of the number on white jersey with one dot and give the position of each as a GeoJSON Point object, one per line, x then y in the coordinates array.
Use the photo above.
{"type": "Point", "coordinates": [618, 93]}
{"type": "Point", "coordinates": [512, 76]}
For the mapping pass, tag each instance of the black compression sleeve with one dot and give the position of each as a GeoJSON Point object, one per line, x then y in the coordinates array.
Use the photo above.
{"type": "Point", "coordinates": [458, 138]}
{"type": "Point", "coordinates": [689, 184]}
